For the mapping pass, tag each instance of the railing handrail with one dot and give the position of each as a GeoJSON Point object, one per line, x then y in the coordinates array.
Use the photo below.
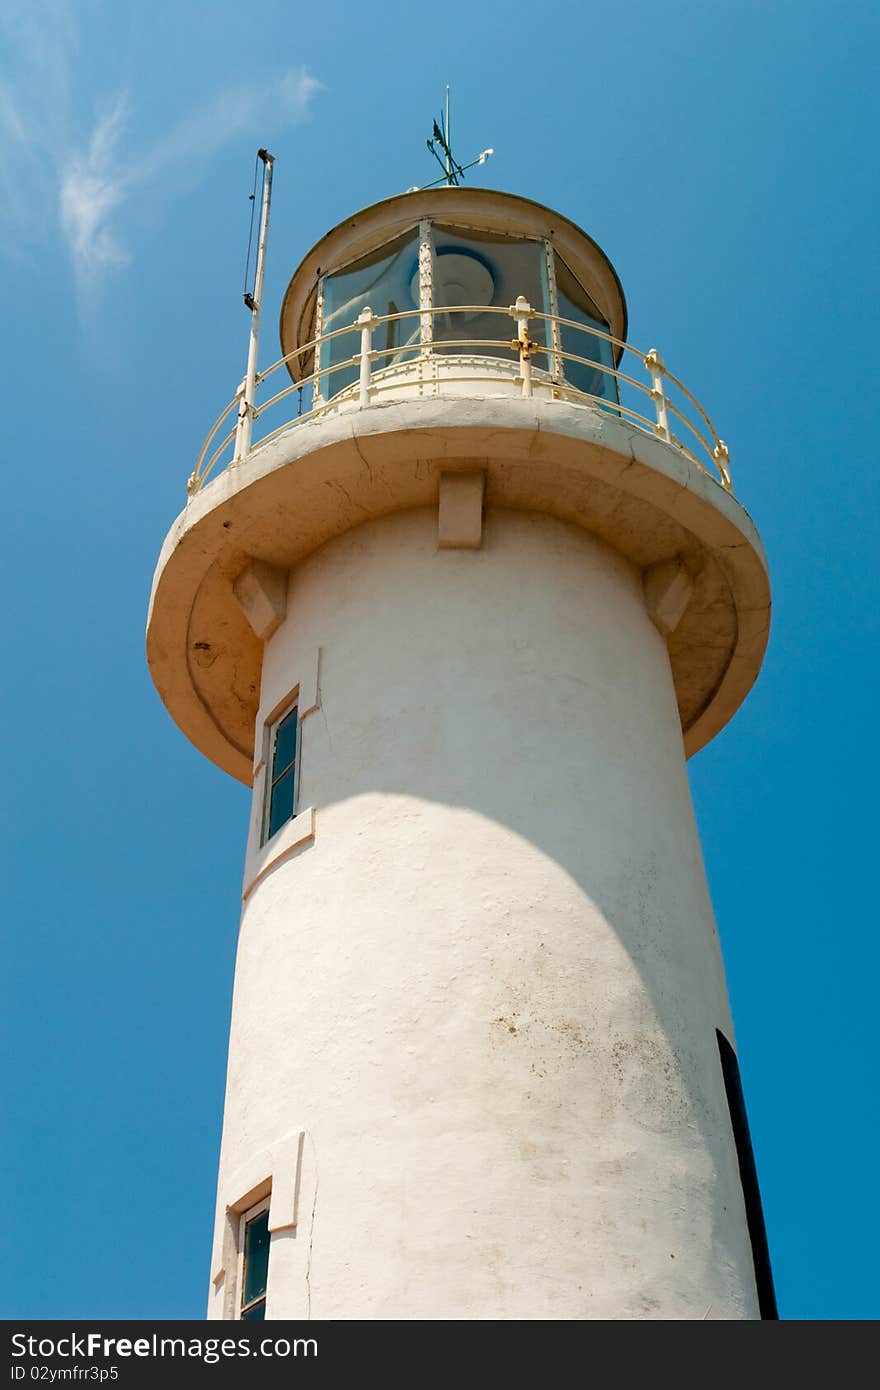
{"type": "Point", "coordinates": [420, 352]}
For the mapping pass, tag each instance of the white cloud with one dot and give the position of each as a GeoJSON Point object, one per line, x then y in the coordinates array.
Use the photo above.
{"type": "Point", "coordinates": [37, 42]}
{"type": "Point", "coordinates": [89, 182]}
{"type": "Point", "coordinates": [283, 98]}
{"type": "Point", "coordinates": [90, 191]}
{"type": "Point", "coordinates": [296, 90]}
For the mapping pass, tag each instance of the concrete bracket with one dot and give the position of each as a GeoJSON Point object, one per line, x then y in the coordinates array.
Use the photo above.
{"type": "Point", "coordinates": [460, 516]}
{"type": "Point", "coordinates": [667, 587]}
{"type": "Point", "coordinates": [261, 593]}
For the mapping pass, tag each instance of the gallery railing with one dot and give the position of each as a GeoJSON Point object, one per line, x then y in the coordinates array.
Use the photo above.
{"type": "Point", "coordinates": [661, 406]}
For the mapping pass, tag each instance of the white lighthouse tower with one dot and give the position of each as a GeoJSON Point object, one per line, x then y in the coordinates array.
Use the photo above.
{"type": "Point", "coordinates": [458, 593]}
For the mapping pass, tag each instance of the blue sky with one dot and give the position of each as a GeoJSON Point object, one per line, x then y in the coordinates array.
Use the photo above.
{"type": "Point", "coordinates": [723, 155]}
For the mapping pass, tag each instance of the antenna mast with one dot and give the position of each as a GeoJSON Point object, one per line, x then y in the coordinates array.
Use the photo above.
{"type": "Point", "coordinates": [453, 172]}
{"type": "Point", "coordinates": [449, 175]}
{"type": "Point", "coordinates": [254, 303]}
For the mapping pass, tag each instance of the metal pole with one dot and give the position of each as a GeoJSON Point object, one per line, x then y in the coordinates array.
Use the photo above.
{"type": "Point", "coordinates": [246, 404]}
{"type": "Point", "coordinates": [448, 146]}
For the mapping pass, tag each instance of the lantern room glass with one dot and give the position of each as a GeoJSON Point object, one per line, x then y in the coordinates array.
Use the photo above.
{"type": "Point", "coordinates": [472, 272]}
{"type": "Point", "coordinates": [385, 280]}
{"type": "Point", "coordinates": [484, 268]}
{"type": "Point", "coordinates": [574, 303]}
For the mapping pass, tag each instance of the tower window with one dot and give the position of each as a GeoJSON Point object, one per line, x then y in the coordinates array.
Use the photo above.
{"type": "Point", "coordinates": [254, 1244]}
{"type": "Point", "coordinates": [748, 1177]}
{"type": "Point", "coordinates": [281, 790]}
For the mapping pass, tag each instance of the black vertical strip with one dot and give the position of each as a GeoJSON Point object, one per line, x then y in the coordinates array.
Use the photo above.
{"type": "Point", "coordinates": [748, 1175]}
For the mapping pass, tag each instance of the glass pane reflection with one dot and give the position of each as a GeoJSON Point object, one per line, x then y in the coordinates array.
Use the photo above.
{"type": "Point", "coordinates": [256, 1261]}
{"type": "Point", "coordinates": [387, 281]}
{"type": "Point", "coordinates": [575, 303]}
{"type": "Point", "coordinates": [484, 268]}
{"type": "Point", "coordinates": [281, 809]}
{"type": "Point", "coordinates": [285, 744]}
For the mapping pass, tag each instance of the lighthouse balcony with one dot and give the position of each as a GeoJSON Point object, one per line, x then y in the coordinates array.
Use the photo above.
{"type": "Point", "coordinates": [443, 352]}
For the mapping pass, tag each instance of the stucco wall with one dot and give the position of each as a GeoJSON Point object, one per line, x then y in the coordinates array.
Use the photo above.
{"type": "Point", "coordinates": [487, 989]}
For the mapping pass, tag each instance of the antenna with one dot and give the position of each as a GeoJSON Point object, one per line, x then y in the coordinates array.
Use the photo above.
{"type": "Point", "coordinates": [453, 172]}
{"type": "Point", "coordinates": [253, 299]}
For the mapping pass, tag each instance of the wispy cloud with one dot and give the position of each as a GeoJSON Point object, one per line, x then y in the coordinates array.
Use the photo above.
{"type": "Point", "coordinates": [90, 193]}
{"type": "Point", "coordinates": [38, 42]}
{"type": "Point", "coordinates": [284, 100]}
{"type": "Point", "coordinates": [295, 90]}
{"type": "Point", "coordinates": [89, 184]}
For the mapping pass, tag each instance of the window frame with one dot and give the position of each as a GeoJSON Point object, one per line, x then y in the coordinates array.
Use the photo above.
{"type": "Point", "coordinates": [271, 735]}
{"type": "Point", "coordinates": [244, 1219]}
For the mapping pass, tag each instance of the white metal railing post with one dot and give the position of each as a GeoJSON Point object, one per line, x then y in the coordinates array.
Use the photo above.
{"type": "Point", "coordinates": [521, 311]}
{"type": "Point", "coordinates": [655, 366]}
{"type": "Point", "coordinates": [365, 322]}
{"type": "Point", "coordinates": [721, 455]}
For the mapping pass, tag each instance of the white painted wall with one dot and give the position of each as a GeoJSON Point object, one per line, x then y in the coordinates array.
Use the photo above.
{"type": "Point", "coordinates": [487, 990]}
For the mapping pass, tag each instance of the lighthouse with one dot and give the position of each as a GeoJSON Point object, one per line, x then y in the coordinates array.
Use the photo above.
{"type": "Point", "coordinates": [460, 584]}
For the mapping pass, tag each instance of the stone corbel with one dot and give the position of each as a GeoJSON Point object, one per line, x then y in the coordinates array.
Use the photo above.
{"type": "Point", "coordinates": [667, 587]}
